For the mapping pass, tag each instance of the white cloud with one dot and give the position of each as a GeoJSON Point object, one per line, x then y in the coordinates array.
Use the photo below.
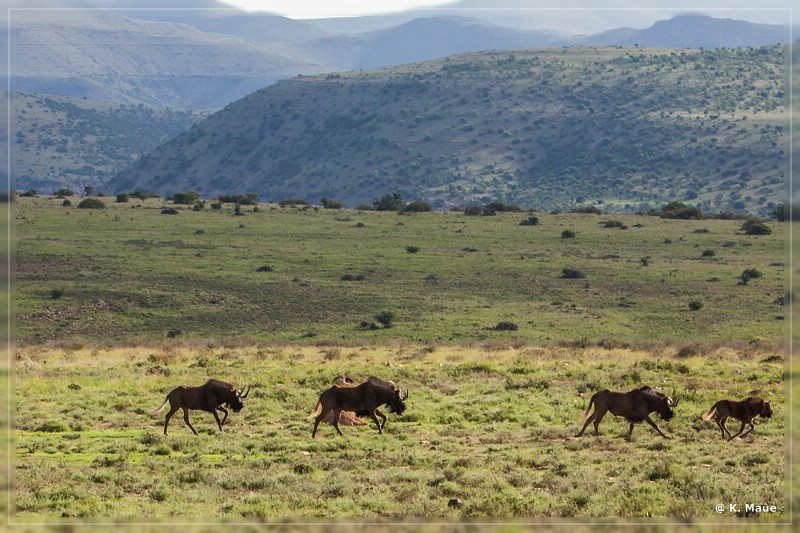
{"type": "Point", "coordinates": [302, 9]}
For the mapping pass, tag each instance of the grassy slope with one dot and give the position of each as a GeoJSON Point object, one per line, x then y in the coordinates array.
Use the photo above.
{"type": "Point", "coordinates": [633, 128]}
{"type": "Point", "coordinates": [130, 275]}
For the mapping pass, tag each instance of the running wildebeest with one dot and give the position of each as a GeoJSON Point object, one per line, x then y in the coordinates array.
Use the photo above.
{"type": "Point", "coordinates": [209, 397]}
{"type": "Point", "coordinates": [745, 411]}
{"type": "Point", "coordinates": [634, 406]}
{"type": "Point", "coordinates": [363, 399]}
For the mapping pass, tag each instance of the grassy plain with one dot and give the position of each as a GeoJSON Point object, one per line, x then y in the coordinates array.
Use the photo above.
{"type": "Point", "coordinates": [128, 275]}
{"type": "Point", "coordinates": [491, 426]}
{"type": "Point", "coordinates": [146, 301]}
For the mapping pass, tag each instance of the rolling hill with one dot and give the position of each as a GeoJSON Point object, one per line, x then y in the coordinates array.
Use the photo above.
{"type": "Point", "coordinates": [70, 143]}
{"type": "Point", "coordinates": [628, 128]}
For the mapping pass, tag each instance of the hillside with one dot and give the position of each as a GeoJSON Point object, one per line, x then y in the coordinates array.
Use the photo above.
{"type": "Point", "coordinates": [62, 142]}
{"type": "Point", "coordinates": [630, 128]}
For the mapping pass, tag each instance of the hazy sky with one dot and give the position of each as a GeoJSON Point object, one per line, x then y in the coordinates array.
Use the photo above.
{"type": "Point", "coordinates": [331, 8]}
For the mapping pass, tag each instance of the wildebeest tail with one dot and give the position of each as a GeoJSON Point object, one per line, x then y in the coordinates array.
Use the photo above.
{"type": "Point", "coordinates": [160, 408]}
{"type": "Point", "coordinates": [588, 408]}
{"type": "Point", "coordinates": [710, 414]}
{"type": "Point", "coordinates": [316, 410]}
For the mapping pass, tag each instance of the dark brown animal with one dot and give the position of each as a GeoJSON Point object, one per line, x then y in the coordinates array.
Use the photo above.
{"type": "Point", "coordinates": [745, 411]}
{"type": "Point", "coordinates": [363, 399]}
{"type": "Point", "coordinates": [209, 397]}
{"type": "Point", "coordinates": [634, 406]}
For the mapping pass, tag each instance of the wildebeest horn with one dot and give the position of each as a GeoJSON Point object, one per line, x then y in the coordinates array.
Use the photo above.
{"type": "Point", "coordinates": [244, 394]}
{"type": "Point", "coordinates": [406, 396]}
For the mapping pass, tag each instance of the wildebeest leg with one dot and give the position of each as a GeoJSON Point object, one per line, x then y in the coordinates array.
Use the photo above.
{"type": "Point", "coordinates": [322, 414]}
{"type": "Point", "coordinates": [752, 427]}
{"type": "Point", "coordinates": [336, 414]}
{"type": "Point", "coordinates": [383, 416]}
{"type": "Point", "coordinates": [724, 425]}
{"type": "Point", "coordinates": [216, 417]}
{"type": "Point", "coordinates": [721, 427]}
{"type": "Point", "coordinates": [740, 430]}
{"type": "Point", "coordinates": [224, 418]}
{"type": "Point", "coordinates": [186, 419]}
{"type": "Point", "coordinates": [171, 412]}
{"type": "Point", "coordinates": [595, 417]}
{"type": "Point", "coordinates": [630, 431]}
{"type": "Point", "coordinates": [372, 414]}
{"type": "Point", "coordinates": [647, 419]}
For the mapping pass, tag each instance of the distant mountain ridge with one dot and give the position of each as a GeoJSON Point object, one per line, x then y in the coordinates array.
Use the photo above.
{"type": "Point", "coordinates": [208, 58]}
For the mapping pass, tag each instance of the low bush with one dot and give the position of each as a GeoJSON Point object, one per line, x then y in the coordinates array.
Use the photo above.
{"type": "Point", "coordinates": [91, 203]}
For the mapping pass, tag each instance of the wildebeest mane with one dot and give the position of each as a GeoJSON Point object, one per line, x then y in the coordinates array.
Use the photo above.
{"type": "Point", "coordinates": [382, 383]}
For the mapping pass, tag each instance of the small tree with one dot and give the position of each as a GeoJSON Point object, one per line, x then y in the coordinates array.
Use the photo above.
{"type": "Point", "coordinates": [185, 198]}
{"type": "Point", "coordinates": [389, 202]}
{"type": "Point", "coordinates": [123, 197]}
{"type": "Point", "coordinates": [567, 234]}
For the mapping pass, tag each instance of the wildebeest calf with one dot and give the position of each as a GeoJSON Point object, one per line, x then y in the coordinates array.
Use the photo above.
{"type": "Point", "coordinates": [635, 406]}
{"type": "Point", "coordinates": [745, 411]}
{"type": "Point", "coordinates": [209, 397]}
{"type": "Point", "coordinates": [363, 399]}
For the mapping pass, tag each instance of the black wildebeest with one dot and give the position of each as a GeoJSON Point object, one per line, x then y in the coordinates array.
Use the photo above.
{"type": "Point", "coordinates": [209, 397]}
{"type": "Point", "coordinates": [635, 406]}
{"type": "Point", "coordinates": [745, 411]}
{"type": "Point", "coordinates": [363, 399]}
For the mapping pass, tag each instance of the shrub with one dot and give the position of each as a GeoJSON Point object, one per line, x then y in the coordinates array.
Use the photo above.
{"type": "Point", "coordinates": [571, 273]}
{"type": "Point", "coordinates": [591, 210]}
{"type": "Point", "coordinates": [91, 203]}
{"type": "Point", "coordinates": [56, 294]}
{"type": "Point", "coordinates": [473, 210]}
{"type": "Point", "coordinates": [412, 249]}
{"type": "Point", "coordinates": [709, 253]}
{"type": "Point", "coordinates": [505, 325]}
{"type": "Point", "coordinates": [243, 199]}
{"type": "Point", "coordinates": [500, 207]}
{"type": "Point", "coordinates": [695, 305]}
{"type": "Point", "coordinates": [293, 202]}
{"type": "Point", "coordinates": [417, 207]}
{"type": "Point", "coordinates": [613, 224]}
{"type": "Point", "coordinates": [755, 227]}
{"type": "Point", "coordinates": [65, 192]}
{"type": "Point", "coordinates": [52, 426]}
{"type": "Point", "coordinates": [385, 318]}
{"type": "Point", "coordinates": [141, 195]}
{"type": "Point", "coordinates": [530, 221]}
{"type": "Point", "coordinates": [327, 203]}
{"type": "Point", "coordinates": [681, 210]}
{"type": "Point", "coordinates": [568, 234]}
{"type": "Point", "coordinates": [169, 211]}
{"type": "Point", "coordinates": [123, 197]}
{"type": "Point", "coordinates": [748, 274]}
{"type": "Point", "coordinates": [66, 203]}
{"type": "Point", "coordinates": [185, 198]}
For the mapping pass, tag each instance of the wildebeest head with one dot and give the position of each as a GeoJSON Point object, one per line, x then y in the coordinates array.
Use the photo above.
{"type": "Point", "coordinates": [398, 403]}
{"type": "Point", "coordinates": [662, 403]}
{"type": "Point", "coordinates": [235, 401]}
{"type": "Point", "coordinates": [766, 410]}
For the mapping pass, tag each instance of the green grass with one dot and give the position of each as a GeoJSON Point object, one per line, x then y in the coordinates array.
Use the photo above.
{"type": "Point", "coordinates": [498, 435]}
{"type": "Point", "coordinates": [125, 276]}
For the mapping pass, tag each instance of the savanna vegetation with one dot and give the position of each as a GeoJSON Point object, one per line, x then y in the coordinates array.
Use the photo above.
{"type": "Point", "coordinates": [628, 129]}
{"type": "Point", "coordinates": [499, 350]}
